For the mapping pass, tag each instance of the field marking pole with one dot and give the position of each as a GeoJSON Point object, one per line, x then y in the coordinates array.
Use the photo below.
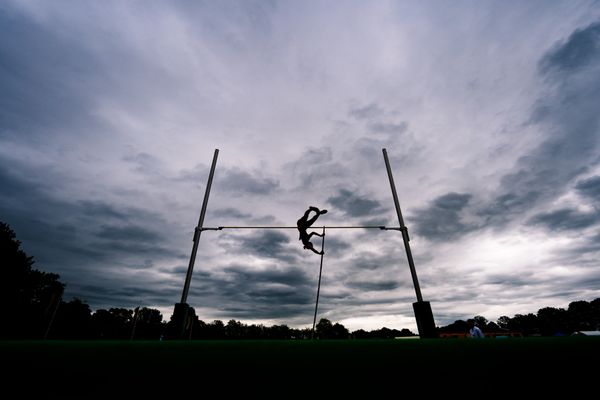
{"type": "Point", "coordinates": [319, 285]}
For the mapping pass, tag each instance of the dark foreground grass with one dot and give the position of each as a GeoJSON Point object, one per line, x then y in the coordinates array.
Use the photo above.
{"type": "Point", "coordinates": [303, 367]}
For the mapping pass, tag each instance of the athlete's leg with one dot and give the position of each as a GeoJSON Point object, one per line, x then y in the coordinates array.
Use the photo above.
{"type": "Point", "coordinates": [312, 220]}
{"type": "Point", "coordinates": [316, 209]}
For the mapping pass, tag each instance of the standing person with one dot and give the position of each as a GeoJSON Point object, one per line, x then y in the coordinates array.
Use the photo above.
{"type": "Point", "coordinates": [304, 223]}
{"type": "Point", "coordinates": [474, 330]}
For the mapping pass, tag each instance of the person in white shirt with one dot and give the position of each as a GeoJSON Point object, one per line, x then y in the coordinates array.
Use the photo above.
{"type": "Point", "coordinates": [474, 330]}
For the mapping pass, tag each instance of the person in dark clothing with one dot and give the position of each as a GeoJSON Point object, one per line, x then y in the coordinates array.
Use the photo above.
{"type": "Point", "coordinates": [304, 223]}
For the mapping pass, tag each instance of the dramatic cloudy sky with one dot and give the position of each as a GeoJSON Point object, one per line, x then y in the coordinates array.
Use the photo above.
{"type": "Point", "coordinates": [490, 111]}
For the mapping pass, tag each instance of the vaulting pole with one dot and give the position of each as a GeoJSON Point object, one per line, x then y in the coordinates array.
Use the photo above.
{"type": "Point", "coordinates": [422, 309]}
{"type": "Point", "coordinates": [181, 309]}
{"type": "Point", "coordinates": [136, 316]}
{"type": "Point", "coordinates": [319, 285]}
{"type": "Point", "coordinates": [55, 300]}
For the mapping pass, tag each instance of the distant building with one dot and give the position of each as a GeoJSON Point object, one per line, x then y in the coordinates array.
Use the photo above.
{"type": "Point", "coordinates": [586, 333]}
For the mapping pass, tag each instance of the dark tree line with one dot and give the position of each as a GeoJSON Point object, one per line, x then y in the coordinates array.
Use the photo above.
{"type": "Point", "coordinates": [548, 321]}
{"type": "Point", "coordinates": [34, 309]}
{"type": "Point", "coordinates": [28, 296]}
{"type": "Point", "coordinates": [236, 330]}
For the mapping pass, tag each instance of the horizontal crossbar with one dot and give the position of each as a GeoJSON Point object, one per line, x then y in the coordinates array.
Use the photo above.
{"type": "Point", "coordinates": [382, 227]}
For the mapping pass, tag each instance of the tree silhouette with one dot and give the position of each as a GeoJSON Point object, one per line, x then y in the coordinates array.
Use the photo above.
{"type": "Point", "coordinates": [552, 321]}
{"type": "Point", "coordinates": [326, 330]}
{"type": "Point", "coordinates": [73, 321]}
{"type": "Point", "coordinates": [323, 328]}
{"type": "Point", "coordinates": [148, 325]}
{"type": "Point", "coordinates": [29, 296]}
{"type": "Point", "coordinates": [582, 316]}
{"type": "Point", "coordinates": [234, 330]}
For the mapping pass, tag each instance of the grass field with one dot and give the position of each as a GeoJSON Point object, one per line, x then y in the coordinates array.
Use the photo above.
{"type": "Point", "coordinates": [435, 366]}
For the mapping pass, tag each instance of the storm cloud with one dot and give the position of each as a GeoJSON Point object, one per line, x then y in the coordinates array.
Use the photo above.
{"type": "Point", "coordinates": [442, 219]}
